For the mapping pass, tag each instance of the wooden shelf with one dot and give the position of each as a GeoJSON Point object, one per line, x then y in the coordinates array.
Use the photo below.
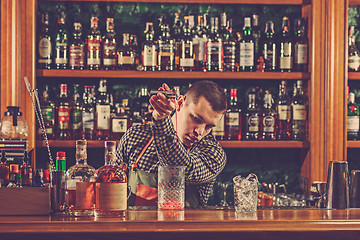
{"type": "Point", "coordinates": [354, 2]}
{"type": "Point", "coordinates": [224, 144]}
{"type": "Point", "coordinates": [170, 75]}
{"type": "Point", "coordinates": [353, 144]}
{"type": "Point", "coordinates": [354, 75]}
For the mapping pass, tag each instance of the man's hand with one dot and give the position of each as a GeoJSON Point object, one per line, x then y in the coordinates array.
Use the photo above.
{"type": "Point", "coordinates": [162, 105]}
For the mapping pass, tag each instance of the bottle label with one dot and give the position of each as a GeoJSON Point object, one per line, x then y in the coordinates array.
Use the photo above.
{"type": "Point", "coordinates": [219, 129]}
{"type": "Point", "coordinates": [48, 114]}
{"type": "Point", "coordinates": [111, 196]}
{"type": "Point", "coordinates": [353, 123]}
{"type": "Point", "coordinates": [247, 54]}
{"type": "Point", "coordinates": [103, 117]}
{"type": "Point", "coordinates": [213, 48]}
{"type": "Point", "coordinates": [284, 112]}
{"type": "Point", "coordinates": [85, 195]}
{"type": "Point", "coordinates": [125, 60]}
{"type": "Point", "coordinates": [71, 183]}
{"type": "Point", "coordinates": [270, 56]}
{"type": "Point", "coordinates": [199, 48]}
{"type": "Point", "coordinates": [61, 50]}
{"type": "Point", "coordinates": [232, 119]}
{"type": "Point", "coordinates": [286, 58]}
{"type": "Point", "coordinates": [301, 52]}
{"type": "Point", "coordinates": [64, 117]}
{"type": "Point", "coordinates": [47, 130]}
{"type": "Point", "coordinates": [88, 120]}
{"type": "Point", "coordinates": [299, 112]}
{"type": "Point", "coordinates": [186, 62]}
{"type": "Point", "coordinates": [354, 62]}
{"type": "Point", "coordinates": [269, 123]}
{"type": "Point", "coordinates": [229, 54]}
{"type": "Point", "coordinates": [119, 125]}
{"type": "Point", "coordinates": [166, 49]}
{"type": "Point", "coordinates": [45, 48]}
{"type": "Point", "coordinates": [109, 62]}
{"type": "Point", "coordinates": [76, 118]}
{"type": "Point", "coordinates": [77, 56]}
{"type": "Point", "coordinates": [149, 56]}
{"type": "Point", "coordinates": [93, 57]}
{"type": "Point", "coordinates": [253, 123]}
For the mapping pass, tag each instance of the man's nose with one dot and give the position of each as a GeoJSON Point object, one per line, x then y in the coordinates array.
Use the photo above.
{"type": "Point", "coordinates": [199, 130]}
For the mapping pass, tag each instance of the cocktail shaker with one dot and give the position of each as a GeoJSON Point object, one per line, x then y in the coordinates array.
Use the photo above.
{"type": "Point", "coordinates": [355, 189]}
{"type": "Point", "coordinates": [337, 189]}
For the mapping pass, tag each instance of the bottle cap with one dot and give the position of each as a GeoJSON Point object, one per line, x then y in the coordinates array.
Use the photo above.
{"type": "Point", "coordinates": [60, 154]}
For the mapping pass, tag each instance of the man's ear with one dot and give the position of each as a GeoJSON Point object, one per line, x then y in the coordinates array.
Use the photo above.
{"type": "Point", "coordinates": [180, 102]}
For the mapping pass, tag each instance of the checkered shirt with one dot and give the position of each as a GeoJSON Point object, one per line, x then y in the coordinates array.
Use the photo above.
{"type": "Point", "coordinates": [204, 161]}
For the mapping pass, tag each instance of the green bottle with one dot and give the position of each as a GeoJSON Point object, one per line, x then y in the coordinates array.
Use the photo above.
{"type": "Point", "coordinates": [352, 118]}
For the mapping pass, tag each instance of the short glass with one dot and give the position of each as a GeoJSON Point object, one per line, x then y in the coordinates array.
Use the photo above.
{"type": "Point", "coordinates": [245, 193]}
{"type": "Point", "coordinates": [171, 187]}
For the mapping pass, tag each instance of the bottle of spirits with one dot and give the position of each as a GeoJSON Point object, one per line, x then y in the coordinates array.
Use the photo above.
{"type": "Point", "coordinates": [299, 113]}
{"type": "Point", "coordinates": [79, 188]}
{"type": "Point", "coordinates": [149, 52]}
{"type": "Point", "coordinates": [270, 48]}
{"type": "Point", "coordinates": [187, 48]}
{"type": "Point", "coordinates": [4, 170]}
{"type": "Point", "coordinates": [352, 118]}
{"type": "Point", "coordinates": [44, 44]}
{"type": "Point", "coordinates": [214, 52]}
{"type": "Point", "coordinates": [136, 50]}
{"type": "Point", "coordinates": [61, 44]}
{"type": "Point", "coordinates": [63, 113]}
{"type": "Point", "coordinates": [256, 35]}
{"type": "Point", "coordinates": [109, 49]}
{"type": "Point", "coordinates": [126, 55]}
{"type": "Point", "coordinates": [120, 122]}
{"type": "Point", "coordinates": [354, 54]}
{"type": "Point", "coordinates": [14, 176]}
{"type": "Point", "coordinates": [301, 46]}
{"type": "Point", "coordinates": [48, 111]}
{"type": "Point", "coordinates": [93, 43]}
{"type": "Point", "coordinates": [102, 113]}
{"type": "Point", "coordinates": [247, 48]}
{"type": "Point", "coordinates": [26, 171]}
{"type": "Point", "coordinates": [88, 114]}
{"type": "Point", "coordinates": [166, 51]}
{"type": "Point", "coordinates": [111, 185]}
{"type": "Point", "coordinates": [252, 117]}
{"type": "Point", "coordinates": [76, 114]}
{"type": "Point", "coordinates": [77, 49]}
{"type": "Point", "coordinates": [199, 40]}
{"type": "Point", "coordinates": [177, 35]}
{"type": "Point", "coordinates": [284, 113]}
{"type": "Point", "coordinates": [60, 161]}
{"type": "Point", "coordinates": [286, 47]}
{"type": "Point", "coordinates": [269, 123]}
{"type": "Point", "coordinates": [143, 101]}
{"type": "Point", "coordinates": [230, 49]}
{"type": "Point", "coordinates": [233, 118]}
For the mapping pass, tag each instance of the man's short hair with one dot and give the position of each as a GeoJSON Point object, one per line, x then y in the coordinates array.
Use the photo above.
{"type": "Point", "coordinates": [212, 92]}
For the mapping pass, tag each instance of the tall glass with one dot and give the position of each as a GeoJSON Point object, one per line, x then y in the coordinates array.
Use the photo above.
{"type": "Point", "coordinates": [171, 187]}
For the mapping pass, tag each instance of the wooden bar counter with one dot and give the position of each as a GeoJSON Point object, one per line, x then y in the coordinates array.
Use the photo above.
{"type": "Point", "coordinates": [190, 224]}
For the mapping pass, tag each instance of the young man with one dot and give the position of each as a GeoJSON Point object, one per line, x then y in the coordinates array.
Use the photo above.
{"type": "Point", "coordinates": [183, 139]}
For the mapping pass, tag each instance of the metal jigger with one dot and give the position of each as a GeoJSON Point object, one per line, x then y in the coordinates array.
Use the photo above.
{"type": "Point", "coordinates": [337, 190]}
{"type": "Point", "coordinates": [355, 189]}
{"type": "Point", "coordinates": [318, 191]}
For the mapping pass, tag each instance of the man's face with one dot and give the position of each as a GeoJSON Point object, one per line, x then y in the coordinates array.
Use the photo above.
{"type": "Point", "coordinates": [194, 121]}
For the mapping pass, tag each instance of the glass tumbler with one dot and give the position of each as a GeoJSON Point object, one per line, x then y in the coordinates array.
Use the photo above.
{"type": "Point", "coordinates": [245, 193]}
{"type": "Point", "coordinates": [171, 187]}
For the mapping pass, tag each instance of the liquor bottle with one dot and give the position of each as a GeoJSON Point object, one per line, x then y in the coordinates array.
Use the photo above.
{"type": "Point", "coordinates": [286, 47]}
{"type": "Point", "coordinates": [166, 51]}
{"type": "Point", "coordinates": [102, 113]}
{"type": "Point", "coordinates": [109, 54]}
{"type": "Point", "coordinates": [270, 48]}
{"type": "Point", "coordinates": [233, 118]}
{"type": "Point", "coordinates": [247, 48]}
{"type": "Point", "coordinates": [4, 170]}
{"type": "Point", "coordinates": [44, 44]}
{"type": "Point", "coordinates": [301, 46]}
{"type": "Point", "coordinates": [256, 35]}
{"type": "Point", "coordinates": [144, 101]}
{"type": "Point", "coordinates": [26, 171]}
{"type": "Point", "coordinates": [269, 123]}
{"type": "Point", "coordinates": [48, 111]}
{"type": "Point", "coordinates": [299, 113]}
{"type": "Point", "coordinates": [111, 185]}
{"type": "Point", "coordinates": [148, 51]}
{"type": "Point", "coordinates": [77, 49]}
{"type": "Point", "coordinates": [79, 188]}
{"type": "Point", "coordinates": [187, 48]}
{"type": "Point", "coordinates": [63, 113]}
{"type": "Point", "coordinates": [136, 50]}
{"type": "Point", "coordinates": [88, 115]}
{"type": "Point", "coordinates": [137, 120]}
{"type": "Point", "coordinates": [354, 54]}
{"type": "Point", "coordinates": [76, 114]}
{"type": "Point", "coordinates": [126, 55]}
{"type": "Point", "coordinates": [61, 44]}
{"type": "Point", "coordinates": [352, 118]}
{"type": "Point", "coordinates": [252, 117]}
{"type": "Point", "coordinates": [177, 35]}
{"type": "Point", "coordinates": [214, 52]}
{"type": "Point", "coordinates": [14, 176]}
{"type": "Point", "coordinates": [284, 113]}
{"type": "Point", "coordinates": [60, 161]}
{"type": "Point", "coordinates": [120, 122]}
{"type": "Point", "coordinates": [199, 44]}
{"type": "Point", "coordinates": [229, 49]}
{"type": "Point", "coordinates": [93, 43]}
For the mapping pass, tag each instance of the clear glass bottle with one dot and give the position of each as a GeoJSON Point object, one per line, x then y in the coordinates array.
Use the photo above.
{"type": "Point", "coordinates": [286, 47]}
{"type": "Point", "coordinates": [233, 118]}
{"type": "Point", "coordinates": [63, 113]}
{"type": "Point", "coordinates": [4, 170]}
{"type": "Point", "coordinates": [299, 113]}
{"type": "Point", "coordinates": [79, 187]}
{"type": "Point", "coordinates": [301, 46]}
{"type": "Point", "coordinates": [111, 185]}
{"type": "Point", "coordinates": [77, 49]}
{"type": "Point", "coordinates": [353, 113]}
{"type": "Point", "coordinates": [88, 114]}
{"type": "Point", "coordinates": [269, 123]}
{"type": "Point", "coordinates": [284, 113]}
{"type": "Point", "coordinates": [44, 44]}
{"type": "Point", "coordinates": [76, 114]}
{"type": "Point", "coordinates": [149, 51]}
{"type": "Point", "coordinates": [199, 40]}
{"type": "Point", "coordinates": [270, 48]}
{"type": "Point", "coordinates": [109, 53]}
{"type": "Point", "coordinates": [247, 48]}
{"type": "Point", "coordinates": [126, 54]}
{"type": "Point", "coordinates": [354, 54]}
{"type": "Point", "coordinates": [93, 43]}
{"type": "Point", "coordinates": [186, 47]}
{"type": "Point", "coordinates": [166, 50]}
{"type": "Point", "coordinates": [252, 117]}
{"type": "Point", "coordinates": [120, 122]}
{"type": "Point", "coordinates": [230, 48]}
{"type": "Point", "coordinates": [214, 51]}
{"type": "Point", "coordinates": [61, 44]}
{"type": "Point", "coordinates": [102, 113]}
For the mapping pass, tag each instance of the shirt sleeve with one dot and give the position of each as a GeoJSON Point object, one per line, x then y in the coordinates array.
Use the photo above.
{"type": "Point", "coordinates": [121, 148]}
{"type": "Point", "coordinates": [204, 191]}
{"type": "Point", "coordinates": [203, 162]}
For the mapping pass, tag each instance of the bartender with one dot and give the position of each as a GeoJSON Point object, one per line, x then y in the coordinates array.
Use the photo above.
{"type": "Point", "coordinates": [180, 134]}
